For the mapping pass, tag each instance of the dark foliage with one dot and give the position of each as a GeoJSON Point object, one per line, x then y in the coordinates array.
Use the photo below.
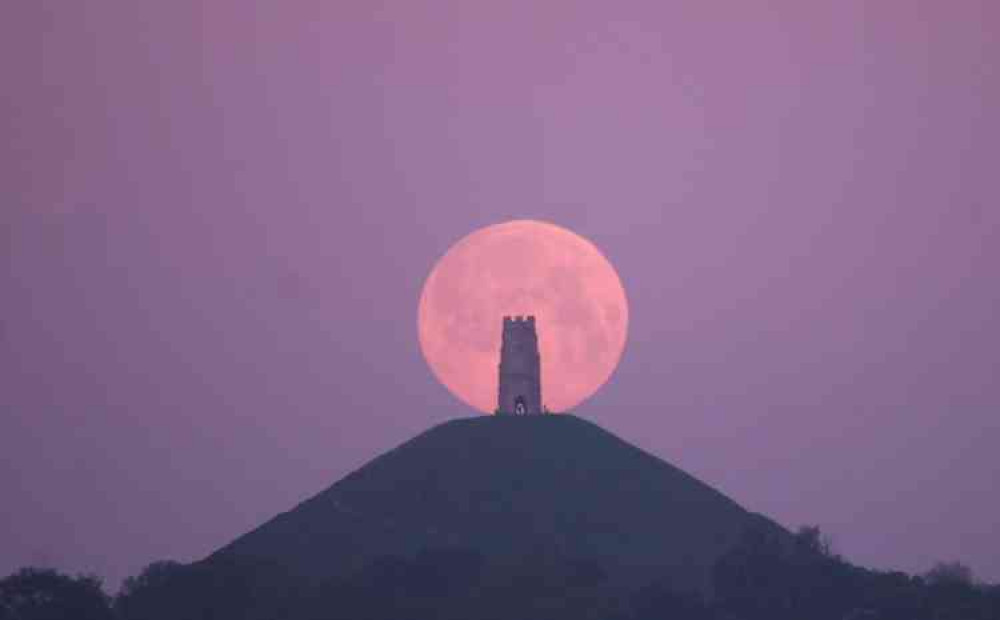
{"type": "Point", "coordinates": [761, 577]}
{"type": "Point", "coordinates": [949, 573]}
{"type": "Point", "coordinates": [172, 591]}
{"type": "Point", "coordinates": [157, 593]}
{"type": "Point", "coordinates": [37, 594]}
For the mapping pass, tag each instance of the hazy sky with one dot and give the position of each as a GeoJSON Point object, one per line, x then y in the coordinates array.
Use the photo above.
{"type": "Point", "coordinates": [217, 217]}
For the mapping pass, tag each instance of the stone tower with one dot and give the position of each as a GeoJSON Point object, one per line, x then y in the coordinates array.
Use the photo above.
{"type": "Point", "coordinates": [520, 368]}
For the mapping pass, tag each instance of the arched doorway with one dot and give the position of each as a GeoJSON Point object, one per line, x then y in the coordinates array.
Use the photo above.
{"type": "Point", "coordinates": [519, 406]}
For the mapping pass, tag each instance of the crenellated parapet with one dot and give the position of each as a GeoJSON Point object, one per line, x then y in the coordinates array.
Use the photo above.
{"type": "Point", "coordinates": [519, 321]}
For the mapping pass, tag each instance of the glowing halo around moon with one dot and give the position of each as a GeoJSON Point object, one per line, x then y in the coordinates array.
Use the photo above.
{"type": "Point", "coordinates": [523, 267]}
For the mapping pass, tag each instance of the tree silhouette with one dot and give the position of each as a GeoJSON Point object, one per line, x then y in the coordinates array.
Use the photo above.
{"type": "Point", "coordinates": [44, 594]}
{"type": "Point", "coordinates": [949, 573]}
{"type": "Point", "coordinates": [159, 592]}
{"type": "Point", "coordinates": [767, 575]}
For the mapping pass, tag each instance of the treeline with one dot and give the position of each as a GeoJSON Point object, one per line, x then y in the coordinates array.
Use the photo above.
{"type": "Point", "coordinates": [765, 577]}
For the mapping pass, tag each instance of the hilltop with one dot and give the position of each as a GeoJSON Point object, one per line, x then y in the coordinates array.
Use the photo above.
{"type": "Point", "coordinates": [508, 487]}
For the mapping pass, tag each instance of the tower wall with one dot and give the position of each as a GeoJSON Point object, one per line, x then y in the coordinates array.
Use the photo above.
{"type": "Point", "coordinates": [520, 367]}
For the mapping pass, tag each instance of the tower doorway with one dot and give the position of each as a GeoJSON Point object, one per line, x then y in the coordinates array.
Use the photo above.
{"type": "Point", "coordinates": [519, 406]}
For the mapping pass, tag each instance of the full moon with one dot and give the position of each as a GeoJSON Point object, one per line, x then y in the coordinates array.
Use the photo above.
{"type": "Point", "coordinates": [523, 267]}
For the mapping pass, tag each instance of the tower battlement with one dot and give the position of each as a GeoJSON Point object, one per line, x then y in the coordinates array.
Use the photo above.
{"type": "Point", "coordinates": [520, 368]}
{"type": "Point", "coordinates": [519, 321]}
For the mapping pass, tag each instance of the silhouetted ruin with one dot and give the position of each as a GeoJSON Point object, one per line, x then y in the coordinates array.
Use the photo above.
{"type": "Point", "coordinates": [520, 368]}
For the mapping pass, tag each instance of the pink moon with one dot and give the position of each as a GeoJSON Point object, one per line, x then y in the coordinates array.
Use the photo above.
{"type": "Point", "coordinates": [523, 267]}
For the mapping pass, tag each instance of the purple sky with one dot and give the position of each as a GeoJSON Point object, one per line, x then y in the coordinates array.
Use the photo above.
{"type": "Point", "coordinates": [217, 217]}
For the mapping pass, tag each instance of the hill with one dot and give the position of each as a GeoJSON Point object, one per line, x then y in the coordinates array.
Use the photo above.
{"type": "Point", "coordinates": [517, 488]}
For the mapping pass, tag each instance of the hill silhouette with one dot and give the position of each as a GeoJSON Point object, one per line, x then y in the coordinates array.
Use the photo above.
{"type": "Point", "coordinates": [517, 488]}
{"type": "Point", "coordinates": [493, 518]}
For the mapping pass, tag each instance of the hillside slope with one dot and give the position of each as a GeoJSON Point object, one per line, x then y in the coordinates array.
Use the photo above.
{"type": "Point", "coordinates": [518, 487]}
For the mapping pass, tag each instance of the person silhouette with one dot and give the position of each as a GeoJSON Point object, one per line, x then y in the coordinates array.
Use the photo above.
{"type": "Point", "coordinates": [519, 408]}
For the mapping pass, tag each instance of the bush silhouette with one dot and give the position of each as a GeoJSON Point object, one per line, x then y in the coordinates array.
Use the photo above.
{"type": "Point", "coordinates": [45, 594]}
